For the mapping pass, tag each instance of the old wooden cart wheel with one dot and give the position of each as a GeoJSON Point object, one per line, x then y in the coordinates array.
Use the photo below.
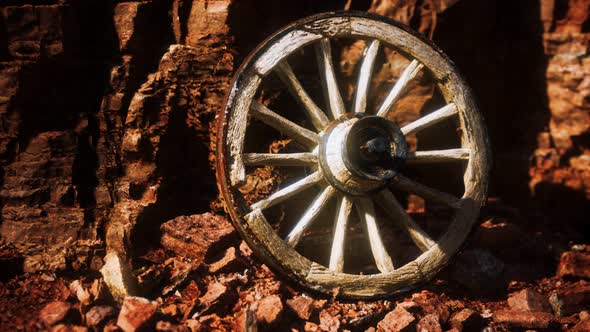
{"type": "Point", "coordinates": [351, 159]}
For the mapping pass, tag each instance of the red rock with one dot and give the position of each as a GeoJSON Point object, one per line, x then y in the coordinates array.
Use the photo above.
{"type": "Point", "coordinates": [302, 306]}
{"type": "Point", "coordinates": [164, 326]}
{"type": "Point", "coordinates": [98, 290]}
{"type": "Point", "coordinates": [230, 262]}
{"type": "Point", "coordinates": [245, 249]}
{"type": "Point", "coordinates": [311, 327]}
{"type": "Point", "coordinates": [396, 320]}
{"type": "Point", "coordinates": [328, 322]}
{"type": "Point", "coordinates": [245, 321]}
{"type": "Point", "coordinates": [429, 323]}
{"type": "Point", "coordinates": [54, 312]}
{"type": "Point", "coordinates": [68, 328]}
{"type": "Point", "coordinates": [98, 315]}
{"type": "Point", "coordinates": [431, 304]}
{"type": "Point", "coordinates": [179, 270]}
{"type": "Point", "coordinates": [193, 325]}
{"type": "Point", "coordinates": [570, 300]}
{"type": "Point", "coordinates": [528, 300]}
{"type": "Point", "coordinates": [136, 313]}
{"type": "Point", "coordinates": [198, 236]}
{"type": "Point", "coordinates": [583, 326]}
{"type": "Point", "coordinates": [523, 319]}
{"type": "Point", "coordinates": [269, 309]}
{"type": "Point", "coordinates": [574, 264]}
{"type": "Point", "coordinates": [466, 319]}
{"type": "Point", "coordinates": [81, 293]}
{"type": "Point", "coordinates": [411, 307]}
{"type": "Point", "coordinates": [217, 294]}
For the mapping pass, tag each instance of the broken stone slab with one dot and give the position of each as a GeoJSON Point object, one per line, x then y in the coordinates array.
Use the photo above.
{"type": "Point", "coordinates": [54, 312]}
{"type": "Point", "coordinates": [80, 292]}
{"type": "Point", "coordinates": [118, 277]}
{"type": "Point", "coordinates": [179, 270]}
{"type": "Point", "coordinates": [198, 236]}
{"type": "Point", "coordinates": [99, 315]}
{"type": "Point", "coordinates": [68, 328]}
{"type": "Point", "coordinates": [302, 306]}
{"type": "Point", "coordinates": [466, 320]}
{"type": "Point", "coordinates": [431, 304]}
{"type": "Point", "coordinates": [429, 323]}
{"type": "Point", "coordinates": [217, 296]}
{"type": "Point", "coordinates": [524, 319]}
{"type": "Point", "coordinates": [245, 321]}
{"type": "Point", "coordinates": [571, 299]}
{"type": "Point", "coordinates": [329, 322]}
{"type": "Point", "coordinates": [528, 300]}
{"type": "Point", "coordinates": [397, 320]}
{"type": "Point", "coordinates": [582, 326]}
{"type": "Point", "coordinates": [136, 314]}
{"type": "Point", "coordinates": [269, 309]}
{"type": "Point", "coordinates": [229, 262]}
{"type": "Point", "coordinates": [574, 264]}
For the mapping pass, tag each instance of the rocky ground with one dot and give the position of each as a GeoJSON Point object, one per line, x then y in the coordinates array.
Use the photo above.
{"type": "Point", "coordinates": [514, 274]}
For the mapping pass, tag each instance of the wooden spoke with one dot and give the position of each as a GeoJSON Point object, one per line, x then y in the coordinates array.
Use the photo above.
{"type": "Point", "coordinates": [310, 214]}
{"type": "Point", "coordinates": [280, 159]}
{"type": "Point", "coordinates": [366, 211]}
{"type": "Point", "coordinates": [344, 207]}
{"type": "Point", "coordinates": [390, 204]}
{"type": "Point", "coordinates": [430, 194]}
{"type": "Point", "coordinates": [430, 119]}
{"type": "Point", "coordinates": [409, 73]}
{"type": "Point", "coordinates": [287, 127]}
{"type": "Point", "coordinates": [288, 191]}
{"type": "Point", "coordinates": [328, 75]}
{"type": "Point", "coordinates": [360, 99]}
{"type": "Point", "coordinates": [314, 113]}
{"type": "Point", "coordinates": [435, 156]}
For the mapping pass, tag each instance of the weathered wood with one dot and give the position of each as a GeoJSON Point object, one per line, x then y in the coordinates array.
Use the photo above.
{"type": "Point", "coordinates": [236, 131]}
{"type": "Point", "coordinates": [284, 125]}
{"type": "Point", "coordinates": [390, 204]}
{"type": "Point", "coordinates": [359, 104]}
{"type": "Point", "coordinates": [398, 88]}
{"type": "Point", "coordinates": [344, 208]}
{"type": "Point", "coordinates": [398, 38]}
{"type": "Point", "coordinates": [280, 159]}
{"type": "Point", "coordinates": [313, 112]}
{"type": "Point", "coordinates": [280, 252]}
{"type": "Point", "coordinates": [430, 119]}
{"type": "Point", "coordinates": [328, 75]}
{"type": "Point", "coordinates": [435, 156]}
{"type": "Point", "coordinates": [430, 194]}
{"type": "Point", "coordinates": [282, 48]}
{"type": "Point", "coordinates": [366, 211]}
{"type": "Point", "coordinates": [310, 215]}
{"type": "Point", "coordinates": [265, 241]}
{"type": "Point", "coordinates": [288, 191]}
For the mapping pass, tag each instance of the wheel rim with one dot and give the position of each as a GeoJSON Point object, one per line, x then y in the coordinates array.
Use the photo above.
{"type": "Point", "coordinates": [341, 178]}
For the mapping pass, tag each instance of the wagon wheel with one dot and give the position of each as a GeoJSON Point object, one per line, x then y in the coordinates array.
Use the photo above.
{"type": "Point", "coordinates": [353, 158]}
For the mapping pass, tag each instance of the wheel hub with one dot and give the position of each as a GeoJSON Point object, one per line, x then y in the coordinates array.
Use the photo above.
{"type": "Point", "coordinates": [359, 153]}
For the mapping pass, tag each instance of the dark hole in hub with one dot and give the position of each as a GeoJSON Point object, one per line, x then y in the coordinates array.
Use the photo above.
{"type": "Point", "coordinates": [375, 148]}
